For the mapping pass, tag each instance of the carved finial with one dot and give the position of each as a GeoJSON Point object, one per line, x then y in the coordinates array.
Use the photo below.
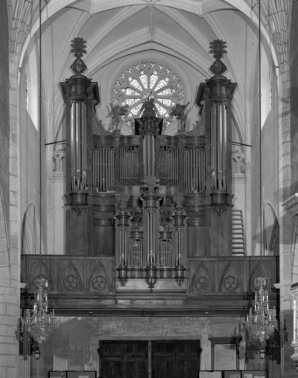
{"type": "Point", "coordinates": [78, 49]}
{"type": "Point", "coordinates": [218, 48]}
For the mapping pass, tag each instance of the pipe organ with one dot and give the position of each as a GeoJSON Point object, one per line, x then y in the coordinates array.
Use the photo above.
{"type": "Point", "coordinates": [147, 198]}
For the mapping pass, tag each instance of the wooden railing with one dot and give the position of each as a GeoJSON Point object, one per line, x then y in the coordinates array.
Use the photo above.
{"type": "Point", "coordinates": [222, 286]}
{"type": "Point", "coordinates": [96, 275]}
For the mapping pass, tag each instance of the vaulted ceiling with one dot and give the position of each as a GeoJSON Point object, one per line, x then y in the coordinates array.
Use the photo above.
{"type": "Point", "coordinates": [175, 31]}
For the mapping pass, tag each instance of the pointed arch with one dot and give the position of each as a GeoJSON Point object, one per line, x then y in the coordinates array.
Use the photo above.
{"type": "Point", "coordinates": [39, 269]}
{"type": "Point", "coordinates": [70, 279]}
{"type": "Point", "coordinates": [258, 271]}
{"type": "Point", "coordinates": [99, 280]}
{"type": "Point", "coordinates": [4, 242]}
{"type": "Point", "coordinates": [202, 280]}
{"type": "Point", "coordinates": [230, 280]}
{"type": "Point", "coordinates": [31, 240]}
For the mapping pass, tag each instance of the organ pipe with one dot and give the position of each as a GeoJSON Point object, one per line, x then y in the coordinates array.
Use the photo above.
{"type": "Point", "coordinates": [149, 155]}
{"type": "Point", "coordinates": [78, 146]}
{"type": "Point", "coordinates": [103, 169]}
{"type": "Point", "coordinates": [194, 172]}
{"type": "Point", "coordinates": [122, 226]}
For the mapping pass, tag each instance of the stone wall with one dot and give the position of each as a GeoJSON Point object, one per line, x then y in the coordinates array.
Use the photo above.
{"type": "Point", "coordinates": [75, 341]}
{"type": "Point", "coordinates": [4, 109]}
{"type": "Point", "coordinates": [9, 274]}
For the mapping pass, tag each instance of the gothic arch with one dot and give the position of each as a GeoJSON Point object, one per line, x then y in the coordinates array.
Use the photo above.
{"type": "Point", "coordinates": [4, 241]}
{"type": "Point", "coordinates": [294, 254]}
{"type": "Point", "coordinates": [31, 240]}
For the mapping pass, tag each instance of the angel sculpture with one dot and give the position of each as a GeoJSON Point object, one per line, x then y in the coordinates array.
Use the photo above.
{"type": "Point", "coordinates": [117, 114]}
{"type": "Point", "coordinates": [178, 111]}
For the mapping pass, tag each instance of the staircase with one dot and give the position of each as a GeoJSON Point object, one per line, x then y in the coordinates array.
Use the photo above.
{"type": "Point", "coordinates": [238, 242]}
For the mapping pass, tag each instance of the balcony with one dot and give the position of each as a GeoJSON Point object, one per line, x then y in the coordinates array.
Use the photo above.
{"type": "Point", "coordinates": [221, 286]}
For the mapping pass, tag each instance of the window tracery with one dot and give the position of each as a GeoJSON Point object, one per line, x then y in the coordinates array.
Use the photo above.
{"type": "Point", "coordinates": [148, 79]}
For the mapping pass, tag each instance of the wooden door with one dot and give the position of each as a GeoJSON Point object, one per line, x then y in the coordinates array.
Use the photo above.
{"type": "Point", "coordinates": [112, 368]}
{"type": "Point", "coordinates": [123, 359]}
{"type": "Point", "coordinates": [163, 360]}
{"type": "Point", "coordinates": [175, 359]}
{"type": "Point", "coordinates": [136, 367]}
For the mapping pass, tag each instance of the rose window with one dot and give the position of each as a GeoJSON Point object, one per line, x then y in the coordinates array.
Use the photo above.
{"type": "Point", "coordinates": [146, 80]}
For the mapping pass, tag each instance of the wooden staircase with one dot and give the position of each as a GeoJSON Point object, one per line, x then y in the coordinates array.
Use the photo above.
{"type": "Point", "coordinates": [238, 241]}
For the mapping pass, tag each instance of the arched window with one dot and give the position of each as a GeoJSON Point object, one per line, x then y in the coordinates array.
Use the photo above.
{"type": "Point", "coordinates": [148, 79]}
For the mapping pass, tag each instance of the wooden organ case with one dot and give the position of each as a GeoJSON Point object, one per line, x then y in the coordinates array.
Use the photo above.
{"type": "Point", "coordinates": [152, 201]}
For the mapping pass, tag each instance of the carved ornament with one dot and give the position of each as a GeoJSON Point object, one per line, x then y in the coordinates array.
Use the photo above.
{"type": "Point", "coordinates": [78, 48]}
{"type": "Point", "coordinates": [218, 48]}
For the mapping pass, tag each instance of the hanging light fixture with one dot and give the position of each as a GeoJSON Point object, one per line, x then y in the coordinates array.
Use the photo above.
{"type": "Point", "coordinates": [38, 322]}
{"type": "Point", "coordinates": [261, 321]}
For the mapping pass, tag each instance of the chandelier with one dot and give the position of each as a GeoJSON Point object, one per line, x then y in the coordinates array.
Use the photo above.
{"type": "Point", "coordinates": [39, 322]}
{"type": "Point", "coordinates": [261, 320]}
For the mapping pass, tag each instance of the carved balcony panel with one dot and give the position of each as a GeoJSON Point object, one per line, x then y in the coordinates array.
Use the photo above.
{"type": "Point", "coordinates": [88, 284]}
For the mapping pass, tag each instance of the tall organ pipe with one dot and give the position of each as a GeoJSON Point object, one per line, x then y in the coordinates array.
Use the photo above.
{"type": "Point", "coordinates": [78, 146]}
{"type": "Point", "coordinates": [149, 155]}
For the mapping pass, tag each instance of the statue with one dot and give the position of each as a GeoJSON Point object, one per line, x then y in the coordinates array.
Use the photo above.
{"type": "Point", "coordinates": [178, 111]}
{"type": "Point", "coordinates": [148, 108]}
{"type": "Point", "coordinates": [117, 115]}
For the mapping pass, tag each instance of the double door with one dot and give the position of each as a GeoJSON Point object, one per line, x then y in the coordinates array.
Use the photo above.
{"type": "Point", "coordinates": [149, 359]}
